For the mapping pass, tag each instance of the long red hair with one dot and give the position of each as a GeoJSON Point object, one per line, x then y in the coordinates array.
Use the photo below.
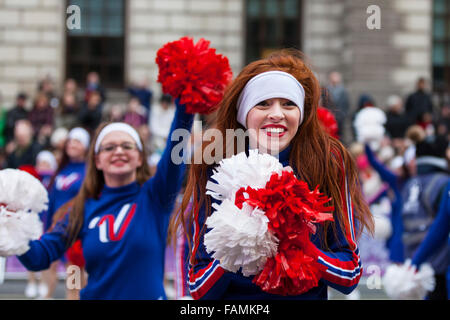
{"type": "Point", "coordinates": [319, 158]}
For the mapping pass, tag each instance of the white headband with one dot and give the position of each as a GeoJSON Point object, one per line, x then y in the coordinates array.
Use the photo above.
{"type": "Point", "coordinates": [81, 135]}
{"type": "Point", "coordinates": [47, 156]}
{"type": "Point", "coordinates": [268, 85]}
{"type": "Point", "coordinates": [118, 126]}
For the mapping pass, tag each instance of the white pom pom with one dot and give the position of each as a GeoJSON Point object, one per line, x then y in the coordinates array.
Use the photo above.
{"type": "Point", "coordinates": [403, 282]}
{"type": "Point", "coordinates": [21, 191]}
{"type": "Point", "coordinates": [383, 225]}
{"type": "Point", "coordinates": [369, 116]}
{"type": "Point", "coordinates": [369, 125]}
{"type": "Point", "coordinates": [240, 171]}
{"type": "Point", "coordinates": [240, 238]}
{"type": "Point", "coordinates": [16, 230]}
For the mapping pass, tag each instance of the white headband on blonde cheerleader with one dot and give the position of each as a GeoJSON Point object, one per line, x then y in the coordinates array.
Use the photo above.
{"type": "Point", "coordinates": [117, 126]}
{"type": "Point", "coordinates": [268, 85]}
{"type": "Point", "coordinates": [81, 135]}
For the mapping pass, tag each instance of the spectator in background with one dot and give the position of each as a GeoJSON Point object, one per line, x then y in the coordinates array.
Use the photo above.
{"type": "Point", "coordinates": [2, 123]}
{"type": "Point", "coordinates": [339, 100]}
{"type": "Point", "coordinates": [397, 122]}
{"type": "Point", "coordinates": [419, 102]}
{"type": "Point", "coordinates": [90, 115]}
{"type": "Point", "coordinates": [41, 118]}
{"type": "Point", "coordinates": [442, 123]}
{"type": "Point", "coordinates": [135, 115]}
{"type": "Point", "coordinates": [23, 149]}
{"type": "Point", "coordinates": [93, 85]}
{"type": "Point", "coordinates": [18, 112]}
{"type": "Point", "coordinates": [47, 87]}
{"type": "Point", "coordinates": [115, 113]}
{"type": "Point", "coordinates": [141, 90]}
{"type": "Point", "coordinates": [71, 87]}
{"type": "Point", "coordinates": [67, 113]}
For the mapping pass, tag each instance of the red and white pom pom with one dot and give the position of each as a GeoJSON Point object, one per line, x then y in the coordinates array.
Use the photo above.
{"type": "Point", "coordinates": [264, 226]}
{"type": "Point", "coordinates": [194, 73]}
{"type": "Point", "coordinates": [293, 211]}
{"type": "Point", "coordinates": [240, 238]}
{"type": "Point", "coordinates": [405, 282]}
{"type": "Point", "coordinates": [22, 198]}
{"type": "Point", "coordinates": [241, 171]}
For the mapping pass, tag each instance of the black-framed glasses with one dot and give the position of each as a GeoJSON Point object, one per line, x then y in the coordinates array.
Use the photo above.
{"type": "Point", "coordinates": [109, 148]}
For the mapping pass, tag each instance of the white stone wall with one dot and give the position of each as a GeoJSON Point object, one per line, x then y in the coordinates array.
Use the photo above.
{"type": "Point", "coordinates": [414, 38]}
{"type": "Point", "coordinates": [31, 45]}
{"type": "Point", "coordinates": [152, 23]}
{"type": "Point", "coordinates": [322, 36]}
{"type": "Point", "coordinates": [380, 62]}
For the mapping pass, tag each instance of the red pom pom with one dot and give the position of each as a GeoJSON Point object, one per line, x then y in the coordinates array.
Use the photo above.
{"type": "Point", "coordinates": [31, 170]}
{"type": "Point", "coordinates": [328, 121]}
{"type": "Point", "coordinates": [75, 254]}
{"type": "Point", "coordinates": [293, 210]}
{"type": "Point", "coordinates": [194, 73]}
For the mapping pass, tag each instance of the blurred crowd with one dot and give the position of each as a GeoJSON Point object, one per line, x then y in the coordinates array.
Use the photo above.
{"type": "Point", "coordinates": [42, 122]}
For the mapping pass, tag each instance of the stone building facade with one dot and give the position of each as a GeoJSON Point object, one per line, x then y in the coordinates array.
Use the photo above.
{"type": "Point", "coordinates": [333, 33]}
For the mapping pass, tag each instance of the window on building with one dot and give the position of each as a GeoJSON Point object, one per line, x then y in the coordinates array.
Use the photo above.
{"type": "Point", "coordinates": [441, 46]}
{"type": "Point", "coordinates": [99, 44]}
{"type": "Point", "coordinates": [271, 25]}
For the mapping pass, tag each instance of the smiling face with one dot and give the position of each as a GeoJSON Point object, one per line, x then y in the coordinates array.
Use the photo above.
{"type": "Point", "coordinates": [118, 158]}
{"type": "Point", "coordinates": [273, 123]}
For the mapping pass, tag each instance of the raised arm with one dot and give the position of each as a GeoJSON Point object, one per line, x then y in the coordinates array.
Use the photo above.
{"type": "Point", "coordinates": [166, 183]}
{"type": "Point", "coordinates": [385, 174]}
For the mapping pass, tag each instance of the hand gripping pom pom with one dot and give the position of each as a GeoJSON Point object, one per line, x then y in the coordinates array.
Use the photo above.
{"type": "Point", "coordinates": [240, 238]}
{"type": "Point", "coordinates": [194, 73]}
{"type": "Point", "coordinates": [21, 199]}
{"type": "Point", "coordinates": [404, 282]}
{"type": "Point", "coordinates": [293, 210]}
{"type": "Point", "coordinates": [16, 230]}
{"type": "Point", "coordinates": [242, 171]}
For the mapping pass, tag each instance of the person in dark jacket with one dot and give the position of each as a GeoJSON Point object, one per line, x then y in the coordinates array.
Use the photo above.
{"type": "Point", "coordinates": [419, 102]}
{"type": "Point", "coordinates": [90, 115]}
{"type": "Point", "coordinates": [23, 149]}
{"type": "Point", "coordinates": [18, 112]}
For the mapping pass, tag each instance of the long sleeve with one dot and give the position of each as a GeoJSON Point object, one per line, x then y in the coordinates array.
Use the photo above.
{"type": "Point", "coordinates": [166, 183]}
{"type": "Point", "coordinates": [341, 264]}
{"type": "Point", "coordinates": [207, 279]}
{"type": "Point", "coordinates": [438, 232]}
{"type": "Point", "coordinates": [50, 247]}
